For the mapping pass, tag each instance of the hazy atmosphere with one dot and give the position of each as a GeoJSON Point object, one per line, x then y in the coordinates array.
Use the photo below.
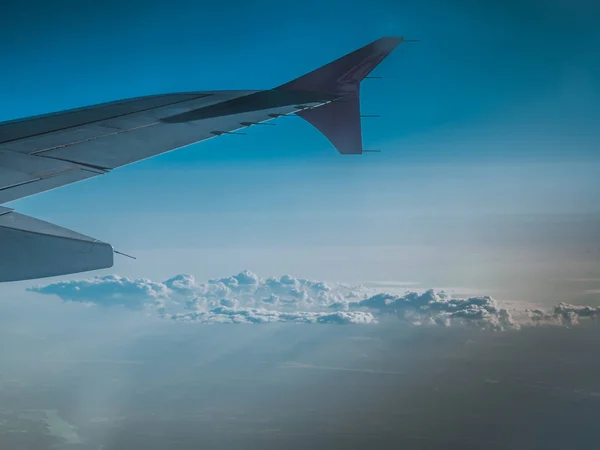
{"type": "Point", "coordinates": [444, 293]}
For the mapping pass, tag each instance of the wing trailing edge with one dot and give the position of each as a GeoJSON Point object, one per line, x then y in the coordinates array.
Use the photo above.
{"type": "Point", "coordinates": [339, 120]}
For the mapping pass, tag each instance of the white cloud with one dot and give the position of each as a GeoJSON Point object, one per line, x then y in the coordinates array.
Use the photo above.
{"type": "Point", "coordinates": [564, 314]}
{"type": "Point", "coordinates": [111, 290]}
{"type": "Point", "coordinates": [570, 314]}
{"type": "Point", "coordinates": [247, 298]}
{"type": "Point", "coordinates": [226, 314]}
{"type": "Point", "coordinates": [431, 307]}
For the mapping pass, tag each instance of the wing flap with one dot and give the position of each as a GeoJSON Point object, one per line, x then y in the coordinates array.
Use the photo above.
{"type": "Point", "coordinates": [10, 193]}
{"type": "Point", "coordinates": [56, 159]}
{"type": "Point", "coordinates": [22, 174]}
{"type": "Point", "coordinates": [128, 146]}
{"type": "Point", "coordinates": [74, 126]}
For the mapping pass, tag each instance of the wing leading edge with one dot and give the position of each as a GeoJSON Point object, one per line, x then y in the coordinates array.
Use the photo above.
{"type": "Point", "coordinates": [45, 152]}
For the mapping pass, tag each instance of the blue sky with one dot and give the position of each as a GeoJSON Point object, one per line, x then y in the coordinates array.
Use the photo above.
{"type": "Point", "coordinates": [487, 122]}
{"type": "Point", "coordinates": [487, 185]}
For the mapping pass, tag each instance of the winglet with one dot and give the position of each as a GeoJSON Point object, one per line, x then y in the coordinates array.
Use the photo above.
{"type": "Point", "coordinates": [339, 120]}
{"type": "Point", "coordinates": [343, 75]}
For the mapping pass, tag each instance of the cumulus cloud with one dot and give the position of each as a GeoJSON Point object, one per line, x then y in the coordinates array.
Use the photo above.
{"type": "Point", "coordinates": [284, 293]}
{"type": "Point", "coordinates": [564, 314]}
{"type": "Point", "coordinates": [439, 308]}
{"type": "Point", "coordinates": [248, 298]}
{"type": "Point", "coordinates": [225, 314]}
{"type": "Point", "coordinates": [111, 290]}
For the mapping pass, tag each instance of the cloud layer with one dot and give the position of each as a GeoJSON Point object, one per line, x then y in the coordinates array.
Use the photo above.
{"type": "Point", "coordinates": [111, 290]}
{"type": "Point", "coordinates": [439, 308]}
{"type": "Point", "coordinates": [564, 314]}
{"type": "Point", "coordinates": [253, 315]}
{"type": "Point", "coordinates": [247, 298]}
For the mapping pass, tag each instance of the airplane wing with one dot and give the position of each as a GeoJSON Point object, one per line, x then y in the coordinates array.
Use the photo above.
{"type": "Point", "coordinates": [45, 152]}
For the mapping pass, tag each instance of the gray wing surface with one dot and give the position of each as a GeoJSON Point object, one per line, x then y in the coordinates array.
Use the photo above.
{"type": "Point", "coordinates": [45, 152]}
